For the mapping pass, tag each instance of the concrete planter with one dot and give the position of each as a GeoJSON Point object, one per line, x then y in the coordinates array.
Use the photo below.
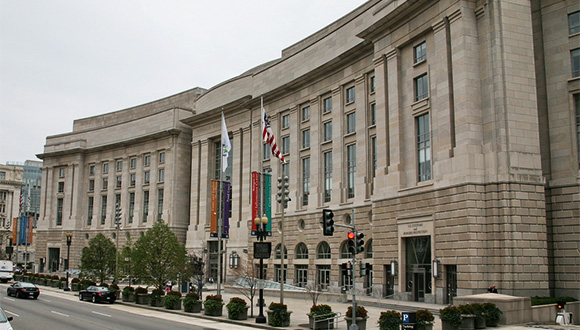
{"type": "Point", "coordinates": [195, 308]}
{"type": "Point", "coordinates": [361, 322]}
{"type": "Point", "coordinates": [468, 322]}
{"type": "Point", "coordinates": [213, 311]}
{"type": "Point", "coordinates": [143, 299]}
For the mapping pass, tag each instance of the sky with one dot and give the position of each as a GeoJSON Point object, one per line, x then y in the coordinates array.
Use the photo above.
{"type": "Point", "coordinates": [62, 60]}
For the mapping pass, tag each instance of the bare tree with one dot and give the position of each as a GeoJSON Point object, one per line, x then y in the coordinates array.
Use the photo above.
{"type": "Point", "coordinates": [247, 280]}
{"type": "Point", "coordinates": [314, 291]}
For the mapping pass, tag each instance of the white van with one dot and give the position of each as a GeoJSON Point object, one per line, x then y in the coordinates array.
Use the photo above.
{"type": "Point", "coordinates": [6, 270]}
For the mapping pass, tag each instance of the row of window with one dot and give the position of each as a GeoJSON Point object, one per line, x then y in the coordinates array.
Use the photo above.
{"type": "Point", "coordinates": [119, 180]}
{"type": "Point", "coordinates": [125, 214]}
{"type": "Point", "coordinates": [323, 251]}
{"type": "Point", "coordinates": [132, 164]}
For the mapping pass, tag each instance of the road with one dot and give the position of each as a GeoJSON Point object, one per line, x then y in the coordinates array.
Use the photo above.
{"type": "Point", "coordinates": [56, 310]}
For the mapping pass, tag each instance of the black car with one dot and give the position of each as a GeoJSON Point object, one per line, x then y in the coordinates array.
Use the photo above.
{"type": "Point", "coordinates": [23, 290]}
{"type": "Point", "coordinates": [98, 294]}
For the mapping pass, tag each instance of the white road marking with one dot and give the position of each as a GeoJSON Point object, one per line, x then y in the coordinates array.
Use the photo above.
{"type": "Point", "coordinates": [9, 299]}
{"type": "Point", "coordinates": [59, 313]}
{"type": "Point", "coordinates": [9, 312]}
{"type": "Point", "coordinates": [102, 314]}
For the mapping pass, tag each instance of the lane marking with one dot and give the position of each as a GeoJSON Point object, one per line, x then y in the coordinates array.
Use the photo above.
{"type": "Point", "coordinates": [59, 313]}
{"type": "Point", "coordinates": [9, 312]}
{"type": "Point", "coordinates": [102, 314]}
{"type": "Point", "coordinates": [10, 299]}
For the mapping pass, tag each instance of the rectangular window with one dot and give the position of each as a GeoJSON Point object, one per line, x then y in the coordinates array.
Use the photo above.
{"type": "Point", "coordinates": [161, 175]}
{"type": "Point", "coordinates": [372, 84]}
{"type": "Point", "coordinates": [103, 209]}
{"type": "Point", "coordinates": [351, 169]}
{"type": "Point", "coordinates": [350, 95]}
{"type": "Point", "coordinates": [119, 181]}
{"type": "Point", "coordinates": [351, 123]}
{"type": "Point", "coordinates": [133, 177]}
{"type": "Point", "coordinates": [327, 131]}
{"type": "Point", "coordinates": [161, 157]}
{"type": "Point", "coordinates": [61, 172]}
{"type": "Point", "coordinates": [577, 106]}
{"type": "Point", "coordinates": [267, 151]}
{"type": "Point", "coordinates": [131, 207]}
{"type": "Point", "coordinates": [119, 165]}
{"type": "Point", "coordinates": [61, 187]}
{"type": "Point", "coordinates": [106, 168]}
{"type": "Point", "coordinates": [2, 175]}
{"type": "Point", "coordinates": [423, 148]}
{"type": "Point", "coordinates": [145, 205]}
{"type": "Point", "coordinates": [286, 145]}
{"type": "Point", "coordinates": [159, 204]}
{"type": "Point", "coordinates": [133, 163]}
{"type": "Point", "coordinates": [420, 52]}
{"type": "Point", "coordinates": [306, 138]}
{"type": "Point", "coordinates": [574, 22]}
{"type": "Point", "coordinates": [285, 121]}
{"type": "Point", "coordinates": [327, 176]}
{"type": "Point", "coordinates": [327, 104]}
{"type": "Point", "coordinates": [105, 184]}
{"type": "Point", "coordinates": [146, 177]}
{"type": "Point", "coordinates": [92, 170]}
{"type": "Point", "coordinates": [90, 211]}
{"type": "Point", "coordinates": [305, 113]}
{"type": "Point", "coordinates": [59, 206]}
{"type": "Point", "coordinates": [374, 155]}
{"type": "Point", "coordinates": [421, 87]}
{"type": "Point", "coordinates": [575, 53]}
{"type": "Point", "coordinates": [91, 185]}
{"type": "Point", "coordinates": [147, 160]}
{"type": "Point", "coordinates": [305, 180]}
{"type": "Point", "coordinates": [373, 114]}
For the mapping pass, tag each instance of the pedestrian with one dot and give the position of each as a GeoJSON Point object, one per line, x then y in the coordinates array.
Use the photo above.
{"type": "Point", "coordinates": [199, 287]}
{"type": "Point", "coordinates": [492, 289]}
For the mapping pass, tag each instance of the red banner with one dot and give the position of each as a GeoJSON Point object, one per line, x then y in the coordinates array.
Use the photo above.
{"type": "Point", "coordinates": [255, 199]}
{"type": "Point", "coordinates": [214, 200]}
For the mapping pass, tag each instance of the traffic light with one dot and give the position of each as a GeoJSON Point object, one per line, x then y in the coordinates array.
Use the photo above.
{"type": "Point", "coordinates": [560, 305]}
{"type": "Point", "coordinates": [346, 269]}
{"type": "Point", "coordinates": [327, 222]}
{"type": "Point", "coordinates": [365, 269]}
{"type": "Point", "coordinates": [283, 195]}
{"type": "Point", "coordinates": [351, 243]}
{"type": "Point", "coordinates": [360, 243]}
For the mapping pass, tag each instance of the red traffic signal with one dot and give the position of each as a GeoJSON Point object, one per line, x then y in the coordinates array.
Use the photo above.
{"type": "Point", "coordinates": [350, 235]}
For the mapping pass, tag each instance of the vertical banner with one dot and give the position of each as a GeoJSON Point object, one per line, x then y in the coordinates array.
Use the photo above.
{"type": "Point", "coordinates": [30, 222]}
{"type": "Point", "coordinates": [213, 216]}
{"type": "Point", "coordinates": [227, 206]}
{"type": "Point", "coordinates": [255, 200]}
{"type": "Point", "coordinates": [23, 228]}
{"type": "Point", "coordinates": [268, 201]}
{"type": "Point", "coordinates": [14, 230]}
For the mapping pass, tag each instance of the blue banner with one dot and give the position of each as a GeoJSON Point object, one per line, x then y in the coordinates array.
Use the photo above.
{"type": "Point", "coordinates": [23, 228]}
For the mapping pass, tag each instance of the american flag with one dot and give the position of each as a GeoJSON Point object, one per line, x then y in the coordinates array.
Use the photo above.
{"type": "Point", "coordinates": [268, 136]}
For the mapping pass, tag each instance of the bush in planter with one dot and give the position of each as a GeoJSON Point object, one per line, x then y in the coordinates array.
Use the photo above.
{"type": "Point", "coordinates": [141, 292]}
{"type": "Point", "coordinates": [360, 312]}
{"type": "Point", "coordinates": [128, 293]}
{"type": "Point", "coordinates": [191, 303]}
{"type": "Point", "coordinates": [321, 313]}
{"type": "Point", "coordinates": [172, 300]}
{"type": "Point", "coordinates": [452, 315]}
{"type": "Point", "coordinates": [390, 320]}
{"type": "Point", "coordinates": [85, 283]}
{"type": "Point", "coordinates": [156, 299]}
{"type": "Point", "coordinates": [237, 309]}
{"type": "Point", "coordinates": [423, 317]}
{"type": "Point", "coordinates": [213, 305]}
{"type": "Point", "coordinates": [114, 287]}
{"type": "Point", "coordinates": [479, 315]}
{"type": "Point", "coordinates": [492, 314]}
{"type": "Point", "coordinates": [278, 315]}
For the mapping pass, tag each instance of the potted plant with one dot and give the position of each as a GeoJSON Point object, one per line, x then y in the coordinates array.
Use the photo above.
{"type": "Point", "coordinates": [237, 309]}
{"type": "Point", "coordinates": [492, 314]}
{"type": "Point", "coordinates": [360, 317]}
{"type": "Point", "coordinates": [141, 296]}
{"type": "Point", "coordinates": [390, 320]}
{"type": "Point", "coordinates": [156, 297]}
{"type": "Point", "coordinates": [128, 294]}
{"type": "Point", "coordinates": [479, 322]}
{"type": "Point", "coordinates": [213, 305]}
{"type": "Point", "coordinates": [172, 300]}
{"type": "Point", "coordinates": [450, 318]}
{"type": "Point", "coordinates": [424, 320]}
{"type": "Point", "coordinates": [191, 303]}
{"type": "Point", "coordinates": [74, 283]}
{"type": "Point", "coordinates": [467, 316]}
{"type": "Point", "coordinates": [278, 315]}
{"type": "Point", "coordinates": [321, 317]}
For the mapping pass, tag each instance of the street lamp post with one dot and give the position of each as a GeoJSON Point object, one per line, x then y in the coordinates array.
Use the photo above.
{"type": "Point", "coordinates": [68, 242]}
{"type": "Point", "coordinates": [261, 226]}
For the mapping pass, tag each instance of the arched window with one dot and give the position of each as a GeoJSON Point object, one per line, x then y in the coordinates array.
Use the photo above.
{"type": "Point", "coordinates": [345, 252]}
{"type": "Point", "coordinates": [301, 251]}
{"type": "Point", "coordinates": [278, 255]}
{"type": "Point", "coordinates": [323, 251]}
{"type": "Point", "coordinates": [369, 249]}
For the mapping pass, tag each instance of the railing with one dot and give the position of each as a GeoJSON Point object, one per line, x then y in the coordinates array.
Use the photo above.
{"type": "Point", "coordinates": [326, 321]}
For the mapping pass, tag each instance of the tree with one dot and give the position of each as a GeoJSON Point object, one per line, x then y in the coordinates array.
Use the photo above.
{"type": "Point", "coordinates": [158, 256]}
{"type": "Point", "coordinates": [125, 258]}
{"type": "Point", "coordinates": [98, 259]}
{"type": "Point", "coordinates": [247, 280]}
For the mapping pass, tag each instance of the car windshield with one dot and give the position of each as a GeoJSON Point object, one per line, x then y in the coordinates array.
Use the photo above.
{"type": "Point", "coordinates": [27, 285]}
{"type": "Point", "coordinates": [102, 288]}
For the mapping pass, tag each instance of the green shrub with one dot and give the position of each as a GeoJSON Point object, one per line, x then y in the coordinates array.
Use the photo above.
{"type": "Point", "coordinates": [549, 300]}
{"type": "Point", "coordinates": [170, 300]}
{"type": "Point", "coordinates": [128, 289]}
{"type": "Point", "coordinates": [390, 320]}
{"type": "Point", "coordinates": [236, 306]}
{"type": "Point", "coordinates": [322, 311]}
{"type": "Point", "coordinates": [492, 313]}
{"type": "Point", "coordinates": [451, 314]}
{"type": "Point", "coordinates": [360, 312]}
{"type": "Point", "coordinates": [141, 290]}
{"type": "Point", "coordinates": [279, 315]}
{"type": "Point", "coordinates": [75, 280]}
{"type": "Point", "coordinates": [422, 318]}
{"type": "Point", "coordinates": [190, 299]}
{"type": "Point", "coordinates": [212, 303]}
{"type": "Point", "coordinates": [174, 293]}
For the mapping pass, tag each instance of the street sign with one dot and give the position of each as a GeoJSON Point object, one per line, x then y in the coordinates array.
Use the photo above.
{"type": "Point", "coordinates": [262, 250]}
{"type": "Point", "coordinates": [408, 320]}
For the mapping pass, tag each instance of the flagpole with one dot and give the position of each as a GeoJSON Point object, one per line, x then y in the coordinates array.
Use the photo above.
{"type": "Point", "coordinates": [221, 214]}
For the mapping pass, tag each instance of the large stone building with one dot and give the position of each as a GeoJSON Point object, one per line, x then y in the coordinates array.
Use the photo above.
{"type": "Point", "coordinates": [11, 184]}
{"type": "Point", "coordinates": [446, 131]}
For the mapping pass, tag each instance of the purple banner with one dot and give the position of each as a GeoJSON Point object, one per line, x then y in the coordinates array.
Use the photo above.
{"type": "Point", "coordinates": [227, 206]}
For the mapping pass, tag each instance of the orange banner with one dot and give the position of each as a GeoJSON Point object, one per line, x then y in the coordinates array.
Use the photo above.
{"type": "Point", "coordinates": [214, 200]}
{"type": "Point", "coordinates": [14, 230]}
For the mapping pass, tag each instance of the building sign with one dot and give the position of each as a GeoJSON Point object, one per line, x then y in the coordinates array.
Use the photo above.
{"type": "Point", "coordinates": [409, 229]}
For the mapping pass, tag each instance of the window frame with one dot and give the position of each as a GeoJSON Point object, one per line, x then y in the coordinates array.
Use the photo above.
{"type": "Point", "coordinates": [420, 52]}
{"type": "Point", "coordinates": [306, 138]}
{"type": "Point", "coordinates": [574, 29]}
{"type": "Point", "coordinates": [423, 136]}
{"type": "Point", "coordinates": [421, 87]}
{"type": "Point", "coordinates": [327, 104]}
{"type": "Point", "coordinates": [285, 121]}
{"type": "Point", "coordinates": [575, 62]}
{"type": "Point", "coordinates": [305, 113]}
{"type": "Point", "coordinates": [350, 95]}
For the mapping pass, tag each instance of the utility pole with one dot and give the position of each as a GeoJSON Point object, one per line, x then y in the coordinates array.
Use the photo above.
{"type": "Point", "coordinates": [117, 225]}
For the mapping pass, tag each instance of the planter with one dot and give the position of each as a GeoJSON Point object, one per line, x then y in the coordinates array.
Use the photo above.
{"type": "Point", "coordinates": [320, 323]}
{"type": "Point", "coordinates": [176, 306]}
{"type": "Point", "coordinates": [361, 322]}
{"type": "Point", "coordinates": [468, 322]}
{"type": "Point", "coordinates": [239, 316]}
{"type": "Point", "coordinates": [143, 299]}
{"type": "Point", "coordinates": [446, 325]}
{"type": "Point", "coordinates": [278, 321]}
{"type": "Point", "coordinates": [54, 283]}
{"type": "Point", "coordinates": [156, 301]}
{"type": "Point", "coordinates": [213, 311]}
{"type": "Point", "coordinates": [195, 308]}
{"type": "Point", "coordinates": [74, 286]}
{"type": "Point", "coordinates": [428, 326]}
{"type": "Point", "coordinates": [479, 323]}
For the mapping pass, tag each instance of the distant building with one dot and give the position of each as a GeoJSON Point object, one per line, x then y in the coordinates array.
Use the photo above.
{"type": "Point", "coordinates": [446, 131]}
{"type": "Point", "coordinates": [11, 183]}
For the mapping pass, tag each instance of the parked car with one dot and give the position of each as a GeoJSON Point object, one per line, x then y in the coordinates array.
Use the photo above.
{"type": "Point", "coordinates": [6, 270]}
{"type": "Point", "coordinates": [97, 294]}
{"type": "Point", "coordinates": [23, 290]}
{"type": "Point", "coordinates": [5, 321]}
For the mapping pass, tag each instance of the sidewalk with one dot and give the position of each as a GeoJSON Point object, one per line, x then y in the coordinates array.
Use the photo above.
{"type": "Point", "coordinates": [300, 308]}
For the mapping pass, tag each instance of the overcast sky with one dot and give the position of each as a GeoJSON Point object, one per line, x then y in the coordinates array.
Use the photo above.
{"type": "Point", "coordinates": [62, 60]}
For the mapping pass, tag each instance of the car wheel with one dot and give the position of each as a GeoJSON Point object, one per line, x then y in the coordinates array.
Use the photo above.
{"type": "Point", "coordinates": [35, 297]}
{"type": "Point", "coordinates": [94, 299]}
{"type": "Point", "coordinates": [80, 297]}
{"type": "Point", "coordinates": [17, 294]}
{"type": "Point", "coordinates": [8, 293]}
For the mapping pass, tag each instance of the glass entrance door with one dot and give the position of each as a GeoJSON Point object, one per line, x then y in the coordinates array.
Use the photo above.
{"type": "Point", "coordinates": [418, 270]}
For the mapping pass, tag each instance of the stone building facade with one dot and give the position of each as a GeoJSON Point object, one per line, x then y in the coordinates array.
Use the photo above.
{"type": "Point", "coordinates": [445, 131]}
